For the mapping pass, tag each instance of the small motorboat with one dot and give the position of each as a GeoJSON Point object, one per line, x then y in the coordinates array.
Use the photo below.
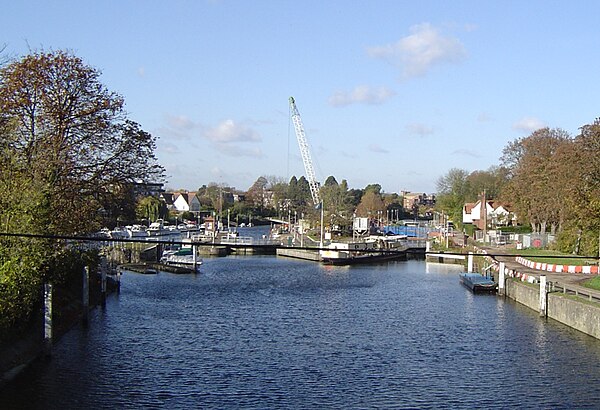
{"type": "Point", "coordinates": [478, 283]}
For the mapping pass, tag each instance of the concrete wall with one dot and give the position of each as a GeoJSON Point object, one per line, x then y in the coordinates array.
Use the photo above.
{"type": "Point", "coordinates": [524, 294]}
{"type": "Point", "coordinates": [578, 315]}
{"type": "Point", "coordinates": [299, 254]}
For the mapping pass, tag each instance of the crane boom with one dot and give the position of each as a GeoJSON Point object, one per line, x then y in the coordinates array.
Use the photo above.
{"type": "Point", "coordinates": [304, 151]}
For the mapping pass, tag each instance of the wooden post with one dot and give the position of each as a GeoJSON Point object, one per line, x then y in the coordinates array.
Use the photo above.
{"type": "Point", "coordinates": [470, 263]}
{"type": "Point", "coordinates": [118, 280]}
{"type": "Point", "coordinates": [501, 272]}
{"type": "Point", "coordinates": [543, 295]}
{"type": "Point", "coordinates": [103, 272]}
{"type": "Point", "coordinates": [195, 253]}
{"type": "Point", "coordinates": [47, 319]}
{"type": "Point", "coordinates": [86, 294]}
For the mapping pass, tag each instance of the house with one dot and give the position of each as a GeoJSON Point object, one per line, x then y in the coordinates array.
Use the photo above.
{"type": "Point", "coordinates": [239, 197]}
{"type": "Point", "coordinates": [167, 198]}
{"type": "Point", "coordinates": [410, 200]}
{"type": "Point", "coordinates": [502, 215]}
{"type": "Point", "coordinates": [496, 214]}
{"type": "Point", "coordinates": [186, 202]}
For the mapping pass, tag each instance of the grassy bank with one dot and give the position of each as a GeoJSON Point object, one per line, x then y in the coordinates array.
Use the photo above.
{"type": "Point", "coordinates": [593, 283]}
{"type": "Point", "coordinates": [549, 256]}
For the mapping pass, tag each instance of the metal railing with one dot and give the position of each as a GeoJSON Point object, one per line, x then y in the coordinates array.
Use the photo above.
{"type": "Point", "coordinates": [591, 294]}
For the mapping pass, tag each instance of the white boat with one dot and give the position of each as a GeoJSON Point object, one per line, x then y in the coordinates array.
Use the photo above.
{"type": "Point", "coordinates": [158, 228]}
{"type": "Point", "coordinates": [118, 233]}
{"type": "Point", "coordinates": [137, 231]}
{"type": "Point", "coordinates": [183, 257]}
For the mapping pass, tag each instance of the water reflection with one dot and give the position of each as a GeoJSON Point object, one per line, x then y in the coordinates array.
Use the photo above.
{"type": "Point", "coordinates": [263, 332]}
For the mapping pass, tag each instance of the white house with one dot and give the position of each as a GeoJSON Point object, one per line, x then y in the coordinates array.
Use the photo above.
{"type": "Point", "coordinates": [497, 214]}
{"type": "Point", "coordinates": [186, 201]}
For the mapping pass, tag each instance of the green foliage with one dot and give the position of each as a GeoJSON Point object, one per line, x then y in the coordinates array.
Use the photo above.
{"type": "Point", "coordinates": [593, 283]}
{"type": "Point", "coordinates": [451, 204]}
{"type": "Point", "coordinates": [555, 185]}
{"type": "Point", "coordinates": [376, 188]}
{"type": "Point", "coordinates": [519, 229]}
{"type": "Point", "coordinates": [149, 208]}
{"type": "Point", "coordinates": [20, 286]}
{"type": "Point", "coordinates": [546, 256]}
{"type": "Point", "coordinates": [68, 157]}
{"type": "Point", "coordinates": [572, 239]}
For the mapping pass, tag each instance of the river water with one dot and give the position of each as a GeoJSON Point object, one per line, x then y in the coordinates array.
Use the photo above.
{"type": "Point", "coordinates": [267, 332]}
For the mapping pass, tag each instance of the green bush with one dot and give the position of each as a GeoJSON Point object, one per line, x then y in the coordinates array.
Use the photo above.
{"type": "Point", "coordinates": [566, 241]}
{"type": "Point", "coordinates": [20, 290]}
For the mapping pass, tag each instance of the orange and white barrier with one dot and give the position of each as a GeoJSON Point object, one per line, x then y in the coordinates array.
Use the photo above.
{"type": "Point", "coordinates": [548, 267]}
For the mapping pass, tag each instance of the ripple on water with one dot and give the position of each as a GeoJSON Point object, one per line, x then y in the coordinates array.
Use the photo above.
{"type": "Point", "coordinates": [264, 332]}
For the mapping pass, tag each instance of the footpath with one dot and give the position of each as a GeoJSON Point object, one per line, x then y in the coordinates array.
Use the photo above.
{"type": "Point", "coordinates": [573, 280]}
{"type": "Point", "coordinates": [564, 298]}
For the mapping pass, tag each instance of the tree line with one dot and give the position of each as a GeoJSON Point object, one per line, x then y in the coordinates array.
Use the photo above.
{"type": "Point", "coordinates": [271, 196]}
{"type": "Point", "coordinates": [550, 179]}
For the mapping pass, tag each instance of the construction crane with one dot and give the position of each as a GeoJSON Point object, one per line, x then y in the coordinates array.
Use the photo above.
{"type": "Point", "coordinates": [304, 151]}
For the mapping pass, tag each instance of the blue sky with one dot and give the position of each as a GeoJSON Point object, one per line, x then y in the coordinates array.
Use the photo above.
{"type": "Point", "coordinates": [390, 92]}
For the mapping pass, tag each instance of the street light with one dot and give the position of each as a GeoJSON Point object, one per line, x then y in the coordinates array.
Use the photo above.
{"type": "Point", "coordinates": [321, 242]}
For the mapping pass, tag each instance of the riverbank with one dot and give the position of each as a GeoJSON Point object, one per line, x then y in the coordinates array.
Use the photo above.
{"type": "Point", "coordinates": [522, 284]}
{"type": "Point", "coordinates": [25, 345]}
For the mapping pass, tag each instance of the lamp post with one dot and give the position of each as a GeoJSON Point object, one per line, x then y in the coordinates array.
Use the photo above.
{"type": "Point", "coordinates": [321, 242]}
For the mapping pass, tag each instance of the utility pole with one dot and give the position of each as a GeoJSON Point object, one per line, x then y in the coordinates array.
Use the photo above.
{"type": "Point", "coordinates": [484, 206]}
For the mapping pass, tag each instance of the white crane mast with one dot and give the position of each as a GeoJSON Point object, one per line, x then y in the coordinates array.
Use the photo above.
{"type": "Point", "coordinates": [304, 151]}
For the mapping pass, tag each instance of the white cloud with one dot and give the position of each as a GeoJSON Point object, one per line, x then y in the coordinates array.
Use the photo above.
{"type": "Point", "coordinates": [178, 127]}
{"type": "Point", "coordinates": [141, 72]}
{"type": "Point", "coordinates": [228, 131]}
{"type": "Point", "coordinates": [227, 137]}
{"type": "Point", "coordinates": [377, 148]}
{"type": "Point", "coordinates": [361, 94]}
{"type": "Point", "coordinates": [419, 129]}
{"type": "Point", "coordinates": [424, 48]}
{"type": "Point", "coordinates": [528, 124]}
{"type": "Point", "coordinates": [180, 122]}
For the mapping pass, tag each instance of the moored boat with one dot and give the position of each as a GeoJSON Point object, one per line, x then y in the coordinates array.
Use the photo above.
{"type": "Point", "coordinates": [373, 250]}
{"type": "Point", "coordinates": [183, 257]}
{"type": "Point", "coordinates": [478, 283]}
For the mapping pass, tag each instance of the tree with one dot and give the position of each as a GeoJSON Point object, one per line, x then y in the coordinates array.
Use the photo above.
{"type": "Point", "coordinates": [454, 182]}
{"type": "Point", "coordinates": [491, 180]}
{"type": "Point", "coordinates": [376, 188]}
{"type": "Point", "coordinates": [370, 204]}
{"type": "Point", "coordinates": [453, 189]}
{"type": "Point", "coordinates": [533, 185]}
{"type": "Point", "coordinates": [150, 208]}
{"type": "Point", "coordinates": [68, 157]}
{"type": "Point", "coordinates": [71, 138]}
{"type": "Point", "coordinates": [578, 174]}
{"type": "Point", "coordinates": [256, 193]}
{"type": "Point", "coordinates": [330, 181]}
{"type": "Point", "coordinates": [337, 202]}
